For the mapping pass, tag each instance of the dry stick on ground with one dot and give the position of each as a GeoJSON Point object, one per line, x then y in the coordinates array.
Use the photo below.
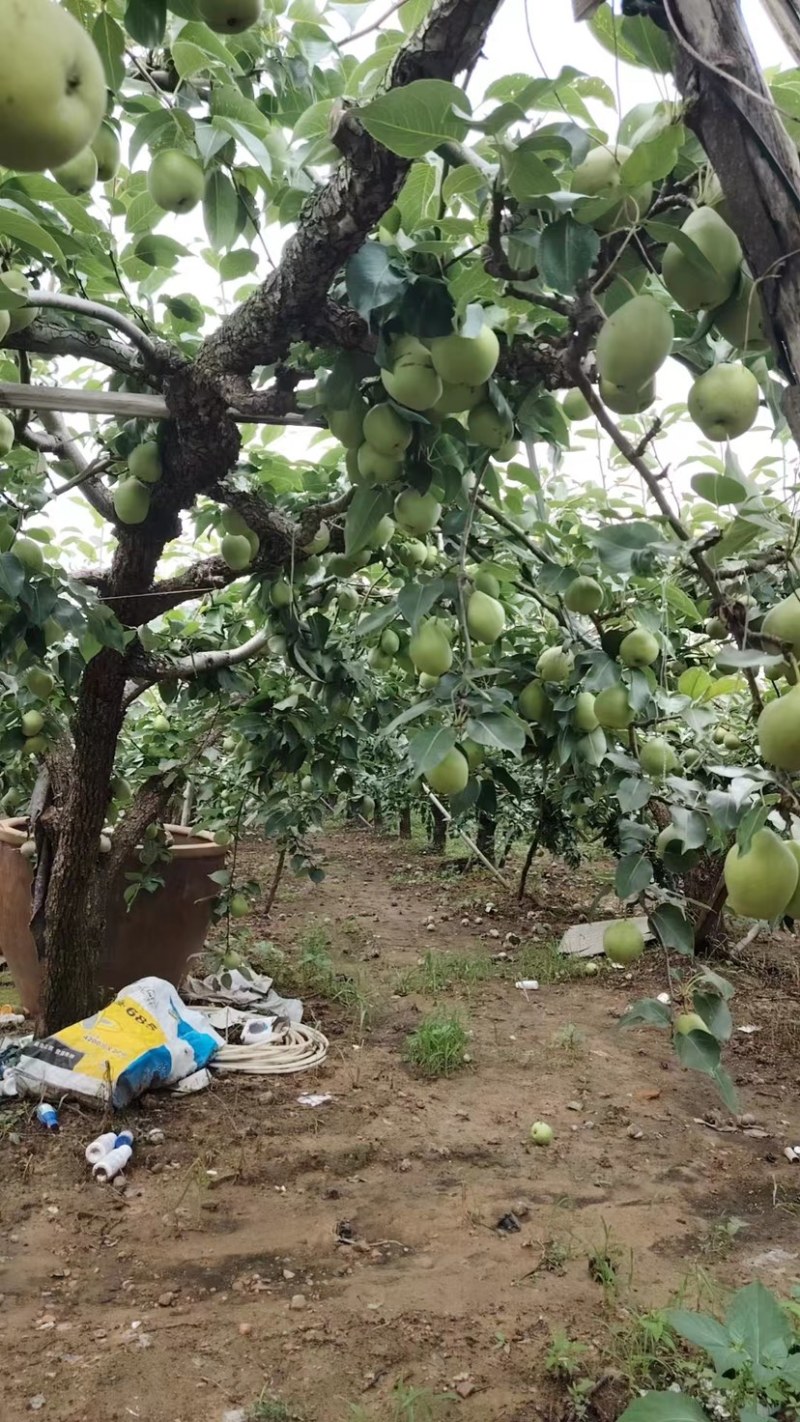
{"type": "Point", "coordinates": [652, 483]}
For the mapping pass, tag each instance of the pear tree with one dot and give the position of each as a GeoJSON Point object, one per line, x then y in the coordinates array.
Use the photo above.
{"type": "Point", "coordinates": [340, 482]}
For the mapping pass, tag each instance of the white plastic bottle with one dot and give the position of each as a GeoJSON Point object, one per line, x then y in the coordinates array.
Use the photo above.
{"type": "Point", "coordinates": [100, 1146]}
{"type": "Point", "coordinates": [111, 1164]}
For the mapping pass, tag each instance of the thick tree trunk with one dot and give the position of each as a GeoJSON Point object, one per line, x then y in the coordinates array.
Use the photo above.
{"type": "Point", "coordinates": [404, 830]}
{"type": "Point", "coordinates": [754, 158]}
{"type": "Point", "coordinates": [437, 830]}
{"type": "Point", "coordinates": [485, 839]}
{"type": "Point", "coordinates": [75, 903]}
{"type": "Point", "coordinates": [276, 879]}
{"type": "Point", "coordinates": [377, 818]}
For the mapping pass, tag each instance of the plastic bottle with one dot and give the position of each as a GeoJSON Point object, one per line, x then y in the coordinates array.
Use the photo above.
{"type": "Point", "coordinates": [47, 1116]}
{"type": "Point", "coordinates": [124, 1138]}
{"type": "Point", "coordinates": [112, 1164]}
{"type": "Point", "coordinates": [100, 1147]}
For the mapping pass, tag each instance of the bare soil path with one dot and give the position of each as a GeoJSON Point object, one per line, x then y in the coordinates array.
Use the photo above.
{"type": "Point", "coordinates": [324, 1255]}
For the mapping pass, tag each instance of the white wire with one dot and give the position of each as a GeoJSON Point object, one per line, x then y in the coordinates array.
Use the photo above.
{"type": "Point", "coordinates": [296, 1047]}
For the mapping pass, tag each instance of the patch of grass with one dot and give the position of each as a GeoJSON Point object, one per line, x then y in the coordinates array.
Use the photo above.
{"type": "Point", "coordinates": [543, 962]}
{"type": "Point", "coordinates": [409, 1404]}
{"type": "Point", "coordinates": [439, 972]}
{"type": "Point", "coordinates": [721, 1237]}
{"type": "Point", "coordinates": [568, 1038]}
{"type": "Point", "coordinates": [310, 972]}
{"type": "Point", "coordinates": [272, 1409]}
{"type": "Point", "coordinates": [438, 1045]}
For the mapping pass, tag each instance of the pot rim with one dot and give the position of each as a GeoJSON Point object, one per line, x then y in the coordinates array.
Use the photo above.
{"type": "Point", "coordinates": [200, 843]}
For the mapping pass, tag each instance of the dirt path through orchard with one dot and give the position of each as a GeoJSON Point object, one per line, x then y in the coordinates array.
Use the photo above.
{"type": "Point", "coordinates": [327, 1254]}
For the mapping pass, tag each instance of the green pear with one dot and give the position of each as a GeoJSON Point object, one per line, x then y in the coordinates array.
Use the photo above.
{"type": "Point", "coordinates": [417, 513]}
{"type": "Point", "coordinates": [29, 554]}
{"type": "Point", "coordinates": [430, 651]}
{"type": "Point", "coordinates": [175, 181]}
{"type": "Point", "coordinates": [612, 708]}
{"type": "Point", "coordinates": [412, 380]}
{"type": "Point", "coordinates": [456, 398]}
{"type": "Point", "coordinates": [390, 642]}
{"type": "Point", "coordinates": [235, 550]}
{"type": "Point", "coordinates": [583, 595]}
{"type": "Point", "coordinates": [7, 435]}
{"type": "Point", "coordinates": [792, 909]}
{"type": "Point", "coordinates": [40, 682]}
{"type": "Point", "coordinates": [761, 882]}
{"type": "Point", "coordinates": [575, 406]}
{"type": "Point", "coordinates": [280, 594]}
{"type": "Point", "coordinates": [52, 84]}
{"type": "Point", "coordinates": [79, 175]}
{"type": "Point", "coordinates": [600, 175]}
{"type": "Point", "coordinates": [624, 401]}
{"type": "Point", "coordinates": [131, 501]}
{"type": "Point", "coordinates": [106, 149]}
{"type": "Point", "coordinates": [377, 468]}
{"type": "Point", "coordinates": [695, 289]}
{"type": "Point", "coordinates": [229, 17]}
{"type": "Point", "coordinates": [585, 717]}
{"type": "Point", "coordinates": [22, 316]}
{"type": "Point", "coordinates": [555, 664]}
{"type": "Point", "coordinates": [782, 622]}
{"type": "Point", "coordinates": [386, 431]}
{"type": "Point", "coordinates": [534, 704]}
{"type": "Point", "coordinates": [144, 462]}
{"type": "Point", "coordinates": [486, 617]}
{"type": "Point", "coordinates": [348, 425]}
{"type": "Point", "coordinates": [723, 402]}
{"type": "Point", "coordinates": [488, 427]}
{"type": "Point", "coordinates": [639, 649]}
{"type": "Point", "coordinates": [466, 360]}
{"type": "Point", "coordinates": [450, 776]}
{"type": "Point", "coordinates": [778, 730]}
{"type": "Point", "coordinates": [634, 342]}
{"type": "Point", "coordinates": [657, 758]}
{"type": "Point", "coordinates": [32, 723]}
{"type": "Point", "coordinates": [623, 942]}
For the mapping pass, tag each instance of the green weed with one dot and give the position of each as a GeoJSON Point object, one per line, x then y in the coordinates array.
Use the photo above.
{"type": "Point", "coordinates": [271, 1409]}
{"type": "Point", "coordinates": [439, 972]}
{"type": "Point", "coordinates": [409, 1404]}
{"type": "Point", "coordinates": [438, 1045]}
{"type": "Point", "coordinates": [309, 971]}
{"type": "Point", "coordinates": [543, 962]}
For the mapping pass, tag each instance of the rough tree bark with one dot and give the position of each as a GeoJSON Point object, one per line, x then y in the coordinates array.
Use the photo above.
{"type": "Point", "coordinates": [201, 448]}
{"type": "Point", "coordinates": [485, 838]}
{"type": "Point", "coordinates": [437, 829]}
{"type": "Point", "coordinates": [404, 827]}
{"type": "Point", "coordinates": [753, 156]}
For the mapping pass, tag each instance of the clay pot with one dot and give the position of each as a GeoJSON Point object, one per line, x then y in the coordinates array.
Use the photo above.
{"type": "Point", "coordinates": [157, 937]}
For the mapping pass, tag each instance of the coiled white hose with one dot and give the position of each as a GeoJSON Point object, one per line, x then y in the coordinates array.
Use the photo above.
{"type": "Point", "coordinates": [295, 1048]}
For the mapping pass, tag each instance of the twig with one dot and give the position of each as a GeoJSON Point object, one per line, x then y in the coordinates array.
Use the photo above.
{"type": "Point", "coordinates": [376, 24]}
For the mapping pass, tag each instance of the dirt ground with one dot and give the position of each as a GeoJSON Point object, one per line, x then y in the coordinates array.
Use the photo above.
{"type": "Point", "coordinates": [325, 1256]}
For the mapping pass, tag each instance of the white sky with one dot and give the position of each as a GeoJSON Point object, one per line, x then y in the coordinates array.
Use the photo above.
{"type": "Point", "coordinates": [559, 41]}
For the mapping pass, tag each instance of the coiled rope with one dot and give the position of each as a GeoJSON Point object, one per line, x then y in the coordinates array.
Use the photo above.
{"type": "Point", "coordinates": [296, 1047]}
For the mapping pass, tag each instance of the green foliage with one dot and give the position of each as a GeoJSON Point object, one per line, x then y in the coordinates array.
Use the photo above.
{"type": "Point", "coordinates": [438, 1045]}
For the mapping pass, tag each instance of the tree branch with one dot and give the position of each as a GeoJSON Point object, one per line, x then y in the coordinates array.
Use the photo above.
{"type": "Point", "coordinates": [195, 664]}
{"type": "Point", "coordinates": [338, 218]}
{"type": "Point", "coordinates": [154, 353]}
{"type": "Point", "coordinates": [48, 338]}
